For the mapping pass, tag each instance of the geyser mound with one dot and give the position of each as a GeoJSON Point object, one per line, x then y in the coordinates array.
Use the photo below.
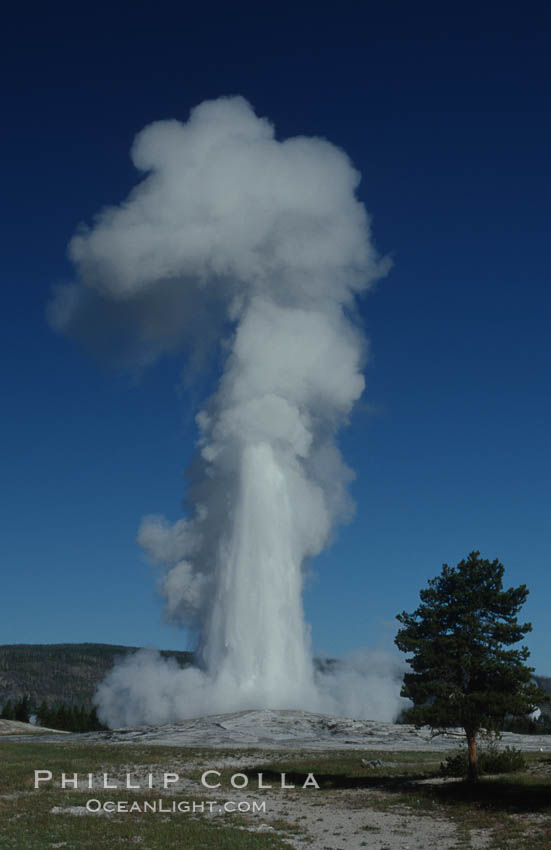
{"type": "Point", "coordinates": [234, 234]}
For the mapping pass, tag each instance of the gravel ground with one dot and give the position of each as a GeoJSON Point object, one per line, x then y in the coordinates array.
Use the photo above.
{"type": "Point", "coordinates": [337, 821]}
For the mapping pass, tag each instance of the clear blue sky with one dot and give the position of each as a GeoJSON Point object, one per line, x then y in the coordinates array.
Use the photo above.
{"type": "Point", "coordinates": [447, 118]}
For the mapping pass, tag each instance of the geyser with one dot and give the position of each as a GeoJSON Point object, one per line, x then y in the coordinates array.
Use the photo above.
{"type": "Point", "coordinates": [236, 239]}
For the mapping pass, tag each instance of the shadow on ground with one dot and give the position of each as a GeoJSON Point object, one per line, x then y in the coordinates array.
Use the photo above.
{"type": "Point", "coordinates": [512, 794]}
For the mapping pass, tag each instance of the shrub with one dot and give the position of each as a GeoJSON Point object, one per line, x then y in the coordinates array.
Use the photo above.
{"type": "Point", "coordinates": [490, 760]}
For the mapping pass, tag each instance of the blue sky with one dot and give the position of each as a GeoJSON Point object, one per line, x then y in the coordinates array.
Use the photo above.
{"type": "Point", "coordinates": [447, 119]}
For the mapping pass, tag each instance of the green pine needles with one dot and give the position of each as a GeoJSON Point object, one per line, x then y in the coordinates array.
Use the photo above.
{"type": "Point", "coordinates": [463, 674]}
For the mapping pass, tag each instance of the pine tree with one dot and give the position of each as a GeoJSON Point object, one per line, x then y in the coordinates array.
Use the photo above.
{"type": "Point", "coordinates": [43, 714]}
{"type": "Point", "coordinates": [8, 711]}
{"type": "Point", "coordinates": [462, 673]}
{"type": "Point", "coordinates": [23, 709]}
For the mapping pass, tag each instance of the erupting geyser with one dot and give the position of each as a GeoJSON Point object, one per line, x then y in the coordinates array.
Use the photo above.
{"type": "Point", "coordinates": [237, 236]}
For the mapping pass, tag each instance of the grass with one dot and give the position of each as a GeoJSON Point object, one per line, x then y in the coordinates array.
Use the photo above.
{"type": "Point", "coordinates": [28, 826]}
{"type": "Point", "coordinates": [514, 810]}
{"type": "Point", "coordinates": [27, 821]}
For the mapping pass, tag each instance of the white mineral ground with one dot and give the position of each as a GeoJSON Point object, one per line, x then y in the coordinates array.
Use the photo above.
{"type": "Point", "coordinates": [16, 727]}
{"type": "Point", "coordinates": [282, 729]}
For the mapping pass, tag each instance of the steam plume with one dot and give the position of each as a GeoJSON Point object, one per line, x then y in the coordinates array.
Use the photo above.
{"type": "Point", "coordinates": [235, 235]}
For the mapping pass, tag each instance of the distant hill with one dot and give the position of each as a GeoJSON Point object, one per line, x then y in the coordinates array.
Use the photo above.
{"type": "Point", "coordinates": [68, 672]}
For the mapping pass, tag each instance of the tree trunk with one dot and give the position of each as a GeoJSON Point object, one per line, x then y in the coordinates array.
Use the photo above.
{"type": "Point", "coordinates": [472, 774]}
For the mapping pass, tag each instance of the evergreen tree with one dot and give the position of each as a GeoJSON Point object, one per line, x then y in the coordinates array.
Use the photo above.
{"type": "Point", "coordinates": [94, 723]}
{"type": "Point", "coordinates": [8, 711]}
{"type": "Point", "coordinates": [23, 709]}
{"type": "Point", "coordinates": [69, 718]}
{"type": "Point", "coordinates": [462, 673]}
{"type": "Point", "coordinates": [43, 714]}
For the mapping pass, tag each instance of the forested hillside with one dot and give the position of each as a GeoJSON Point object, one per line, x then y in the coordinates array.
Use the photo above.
{"type": "Point", "coordinates": [61, 672]}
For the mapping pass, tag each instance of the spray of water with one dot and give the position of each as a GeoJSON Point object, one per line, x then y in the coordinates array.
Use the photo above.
{"type": "Point", "coordinates": [236, 236]}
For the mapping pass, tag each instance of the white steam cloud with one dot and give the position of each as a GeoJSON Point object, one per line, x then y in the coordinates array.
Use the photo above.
{"type": "Point", "coordinates": [233, 234]}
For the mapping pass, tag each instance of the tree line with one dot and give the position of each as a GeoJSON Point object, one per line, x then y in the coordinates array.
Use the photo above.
{"type": "Point", "coordinates": [62, 716]}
